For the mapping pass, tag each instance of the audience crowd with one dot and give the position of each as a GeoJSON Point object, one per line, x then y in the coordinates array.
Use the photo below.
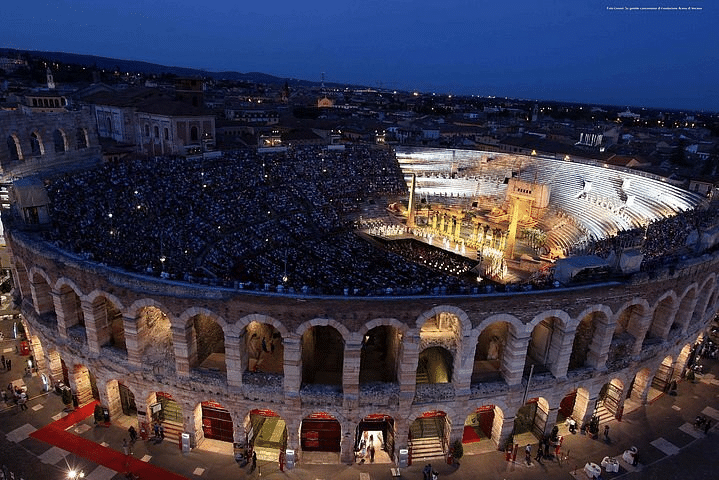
{"type": "Point", "coordinates": [274, 221]}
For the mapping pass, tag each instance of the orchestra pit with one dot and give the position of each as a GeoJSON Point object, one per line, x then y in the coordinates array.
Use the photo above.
{"type": "Point", "coordinates": [313, 303]}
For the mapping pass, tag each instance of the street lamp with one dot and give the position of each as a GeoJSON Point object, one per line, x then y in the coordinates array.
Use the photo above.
{"type": "Point", "coordinates": [75, 474]}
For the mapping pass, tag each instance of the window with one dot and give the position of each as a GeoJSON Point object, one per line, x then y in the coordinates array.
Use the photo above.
{"type": "Point", "coordinates": [147, 130]}
{"type": "Point", "coordinates": [156, 130]}
{"type": "Point", "coordinates": [81, 138]}
{"type": "Point", "coordinates": [13, 147]}
{"type": "Point", "coordinates": [194, 136]}
{"type": "Point", "coordinates": [167, 133]}
{"type": "Point", "coordinates": [58, 139]}
{"type": "Point", "coordinates": [35, 145]}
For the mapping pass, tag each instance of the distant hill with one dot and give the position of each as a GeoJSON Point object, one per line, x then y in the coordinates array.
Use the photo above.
{"type": "Point", "coordinates": [154, 68]}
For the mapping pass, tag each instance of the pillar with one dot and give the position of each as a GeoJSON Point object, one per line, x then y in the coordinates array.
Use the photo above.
{"type": "Point", "coordinates": [560, 349]}
{"type": "Point", "coordinates": [292, 367]}
{"type": "Point", "coordinates": [96, 329]}
{"type": "Point", "coordinates": [407, 375]}
{"type": "Point", "coordinates": [601, 343]}
{"type": "Point", "coordinates": [505, 433]}
{"type": "Point", "coordinates": [514, 357]}
{"type": "Point", "coordinates": [347, 443]}
{"type": "Point", "coordinates": [234, 363]}
{"type": "Point", "coordinates": [133, 330]}
{"type": "Point", "coordinates": [183, 343]}
{"type": "Point", "coordinates": [350, 373]}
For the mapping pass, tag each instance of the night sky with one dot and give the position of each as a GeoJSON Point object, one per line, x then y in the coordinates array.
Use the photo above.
{"type": "Point", "coordinates": [584, 51]}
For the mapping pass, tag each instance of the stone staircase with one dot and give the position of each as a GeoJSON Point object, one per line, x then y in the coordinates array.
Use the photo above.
{"type": "Point", "coordinates": [425, 442]}
{"type": "Point", "coordinates": [172, 430]}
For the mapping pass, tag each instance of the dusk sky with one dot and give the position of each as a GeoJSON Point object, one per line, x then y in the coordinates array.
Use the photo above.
{"type": "Point", "coordinates": [584, 51]}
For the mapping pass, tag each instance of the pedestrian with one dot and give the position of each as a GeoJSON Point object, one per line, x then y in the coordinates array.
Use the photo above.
{"type": "Point", "coordinates": [162, 432]}
{"type": "Point", "coordinates": [264, 345]}
{"type": "Point", "coordinates": [22, 401]}
{"type": "Point", "coordinates": [371, 453]}
{"type": "Point", "coordinates": [606, 433]}
{"type": "Point", "coordinates": [156, 428]}
{"type": "Point", "coordinates": [8, 363]}
{"type": "Point", "coordinates": [254, 460]}
{"type": "Point", "coordinates": [427, 471]}
{"type": "Point", "coordinates": [528, 454]}
{"type": "Point", "coordinates": [538, 457]}
{"type": "Point", "coordinates": [3, 362]}
{"type": "Point", "coordinates": [125, 447]}
{"type": "Point", "coordinates": [707, 425]}
{"type": "Point", "coordinates": [133, 434]}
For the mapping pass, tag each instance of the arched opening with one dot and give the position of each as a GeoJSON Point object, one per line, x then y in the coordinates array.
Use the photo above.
{"type": "Point", "coordinates": [266, 434]}
{"type": "Point", "coordinates": [194, 135]}
{"type": "Point", "coordinates": [539, 351]}
{"type": "Point", "coordinates": [662, 379]}
{"type": "Point", "coordinates": [683, 359]}
{"type": "Point", "coordinates": [663, 314]}
{"type": "Point", "coordinates": [14, 148]}
{"type": "Point", "coordinates": [583, 341]}
{"type": "Point", "coordinates": [434, 366]}
{"type": "Point", "coordinates": [167, 412]}
{"type": "Point", "coordinates": [57, 368]}
{"type": "Point", "coordinates": [479, 426]}
{"type": "Point", "coordinates": [380, 355]}
{"type": "Point", "coordinates": [85, 385]}
{"type": "Point", "coordinates": [700, 307]}
{"type": "Point", "coordinates": [108, 126]}
{"type": "Point", "coordinates": [42, 298]}
{"type": "Point", "coordinates": [609, 401]}
{"type": "Point", "coordinates": [109, 324]}
{"type": "Point", "coordinates": [322, 356]}
{"type": "Point", "coordinates": [214, 422]}
{"type": "Point", "coordinates": [530, 422]}
{"type": "Point", "coordinates": [158, 353]}
{"type": "Point", "coordinates": [265, 351]}
{"type": "Point", "coordinates": [566, 407]}
{"type": "Point", "coordinates": [59, 141]}
{"type": "Point", "coordinates": [207, 346]}
{"type": "Point", "coordinates": [374, 439]}
{"type": "Point", "coordinates": [36, 146]}
{"type": "Point", "coordinates": [320, 432]}
{"type": "Point", "coordinates": [121, 401]}
{"type": "Point", "coordinates": [72, 314]}
{"type": "Point", "coordinates": [488, 354]}
{"type": "Point", "coordinates": [638, 390]}
{"type": "Point", "coordinates": [429, 436]}
{"type": "Point", "coordinates": [624, 337]}
{"type": "Point", "coordinates": [81, 138]}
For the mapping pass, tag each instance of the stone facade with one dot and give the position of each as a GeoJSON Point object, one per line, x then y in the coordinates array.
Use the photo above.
{"type": "Point", "coordinates": [573, 336]}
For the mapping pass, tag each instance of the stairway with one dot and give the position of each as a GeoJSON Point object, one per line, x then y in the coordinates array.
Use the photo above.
{"type": "Point", "coordinates": [425, 442]}
{"type": "Point", "coordinates": [172, 430]}
{"type": "Point", "coordinates": [603, 414]}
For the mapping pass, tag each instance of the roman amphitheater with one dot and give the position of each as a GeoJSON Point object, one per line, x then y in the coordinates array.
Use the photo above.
{"type": "Point", "coordinates": [272, 299]}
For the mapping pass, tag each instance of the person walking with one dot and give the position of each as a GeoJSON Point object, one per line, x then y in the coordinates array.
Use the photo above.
{"type": "Point", "coordinates": [538, 457]}
{"type": "Point", "coordinates": [528, 454]}
{"type": "Point", "coordinates": [254, 461]}
{"type": "Point", "coordinates": [427, 471]}
{"type": "Point", "coordinates": [3, 362]}
{"type": "Point", "coordinates": [8, 364]}
{"type": "Point", "coordinates": [606, 433]}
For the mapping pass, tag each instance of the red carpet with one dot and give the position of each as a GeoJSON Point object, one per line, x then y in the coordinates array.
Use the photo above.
{"type": "Point", "coordinates": [55, 434]}
{"type": "Point", "coordinates": [470, 434]}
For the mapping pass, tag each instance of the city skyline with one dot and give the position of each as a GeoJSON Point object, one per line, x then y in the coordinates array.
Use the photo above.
{"type": "Point", "coordinates": [596, 53]}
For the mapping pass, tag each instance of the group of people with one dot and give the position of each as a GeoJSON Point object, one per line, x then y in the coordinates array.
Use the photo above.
{"type": "Point", "coordinates": [17, 394]}
{"type": "Point", "coordinates": [6, 363]}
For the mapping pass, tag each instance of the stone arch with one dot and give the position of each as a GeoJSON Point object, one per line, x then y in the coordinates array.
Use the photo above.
{"type": "Point", "coordinates": [68, 309]}
{"type": "Point", "coordinates": [325, 322]}
{"type": "Point", "coordinates": [491, 346]}
{"type": "Point", "coordinates": [663, 376]}
{"type": "Point", "coordinates": [629, 329]}
{"type": "Point", "coordinates": [662, 316]}
{"type": "Point", "coordinates": [545, 346]}
{"type": "Point", "coordinates": [37, 148]}
{"type": "Point", "coordinates": [59, 140]}
{"type": "Point", "coordinates": [611, 398]}
{"type": "Point", "coordinates": [41, 290]}
{"type": "Point", "coordinates": [686, 308]}
{"type": "Point", "coordinates": [640, 387]}
{"type": "Point", "coordinates": [241, 324]}
{"type": "Point", "coordinates": [381, 348]}
{"type": "Point", "coordinates": [682, 359]}
{"type": "Point", "coordinates": [464, 321]}
{"type": "Point", "coordinates": [204, 337]}
{"type": "Point", "coordinates": [194, 133]}
{"type": "Point", "coordinates": [106, 312]}
{"type": "Point", "coordinates": [588, 343]}
{"type": "Point", "coordinates": [14, 147]}
{"type": "Point", "coordinates": [532, 417]}
{"type": "Point", "coordinates": [212, 421]}
{"type": "Point", "coordinates": [485, 421]}
{"type": "Point", "coordinates": [262, 346]}
{"type": "Point", "coordinates": [154, 340]}
{"type": "Point", "coordinates": [702, 300]}
{"type": "Point", "coordinates": [322, 347]}
{"type": "Point", "coordinates": [121, 400]}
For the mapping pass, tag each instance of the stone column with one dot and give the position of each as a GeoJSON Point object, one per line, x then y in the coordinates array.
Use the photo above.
{"type": "Point", "coordinates": [407, 375]}
{"type": "Point", "coordinates": [133, 331]}
{"type": "Point", "coordinates": [185, 351]}
{"type": "Point", "coordinates": [589, 411]}
{"type": "Point", "coordinates": [347, 443]}
{"type": "Point", "coordinates": [233, 363]}
{"type": "Point", "coordinates": [110, 397]}
{"type": "Point", "coordinates": [41, 297]}
{"type": "Point", "coordinates": [292, 367]}
{"type": "Point", "coordinates": [96, 329]}
{"type": "Point", "coordinates": [506, 431]}
{"type": "Point", "coordinates": [601, 343]}
{"type": "Point", "coordinates": [463, 371]}
{"type": "Point", "coordinates": [560, 349]}
{"type": "Point", "coordinates": [351, 373]}
{"type": "Point", "coordinates": [552, 417]}
{"type": "Point", "coordinates": [64, 321]}
{"type": "Point", "coordinates": [514, 357]}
